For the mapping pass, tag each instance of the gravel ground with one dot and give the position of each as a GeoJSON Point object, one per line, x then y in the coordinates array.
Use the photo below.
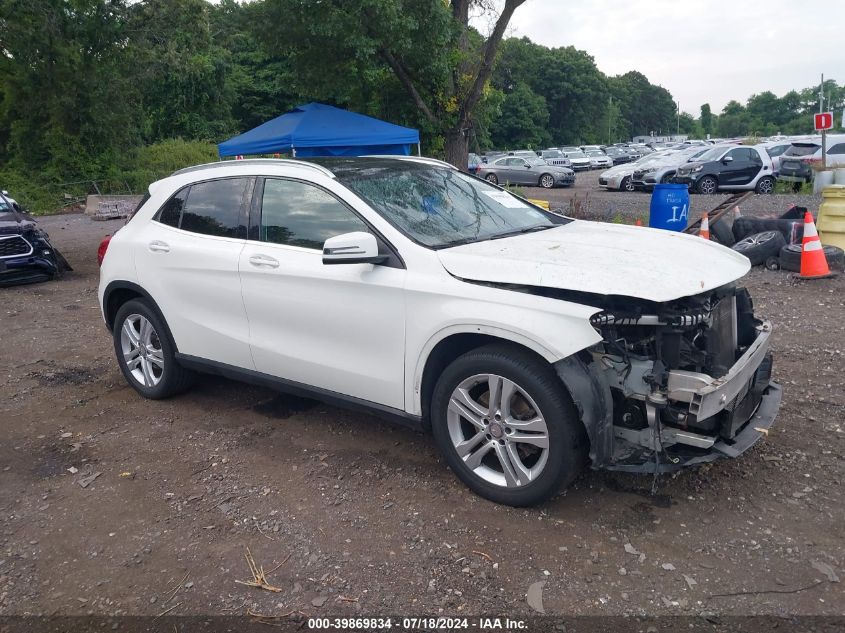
{"type": "Point", "coordinates": [357, 517]}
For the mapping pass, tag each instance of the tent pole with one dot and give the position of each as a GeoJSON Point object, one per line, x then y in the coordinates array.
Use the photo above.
{"type": "Point", "coordinates": [419, 151]}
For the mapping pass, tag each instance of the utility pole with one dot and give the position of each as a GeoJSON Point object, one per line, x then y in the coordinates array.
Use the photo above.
{"type": "Point", "coordinates": [824, 132]}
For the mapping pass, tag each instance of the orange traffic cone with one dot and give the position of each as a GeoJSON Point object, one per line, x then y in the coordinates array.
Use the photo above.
{"type": "Point", "coordinates": [704, 230]}
{"type": "Point", "coordinates": [813, 262]}
{"type": "Point", "coordinates": [638, 222]}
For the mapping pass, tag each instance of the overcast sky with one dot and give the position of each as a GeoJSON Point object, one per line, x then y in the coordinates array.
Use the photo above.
{"type": "Point", "coordinates": [701, 51]}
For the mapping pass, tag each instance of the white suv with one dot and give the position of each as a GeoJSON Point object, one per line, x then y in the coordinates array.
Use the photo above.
{"type": "Point", "coordinates": [526, 342]}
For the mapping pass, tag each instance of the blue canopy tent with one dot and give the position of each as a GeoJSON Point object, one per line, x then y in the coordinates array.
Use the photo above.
{"type": "Point", "coordinates": [316, 129]}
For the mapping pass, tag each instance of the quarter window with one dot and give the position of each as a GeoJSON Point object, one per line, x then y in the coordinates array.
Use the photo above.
{"type": "Point", "coordinates": [171, 213]}
{"type": "Point", "coordinates": [299, 214]}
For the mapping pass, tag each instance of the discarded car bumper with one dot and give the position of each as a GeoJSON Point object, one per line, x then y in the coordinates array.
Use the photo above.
{"type": "Point", "coordinates": [24, 261]}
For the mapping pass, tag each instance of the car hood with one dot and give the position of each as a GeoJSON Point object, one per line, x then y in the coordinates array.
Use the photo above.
{"type": "Point", "coordinates": [687, 167]}
{"type": "Point", "coordinates": [624, 169]}
{"type": "Point", "coordinates": [601, 258]}
{"type": "Point", "coordinates": [15, 222]}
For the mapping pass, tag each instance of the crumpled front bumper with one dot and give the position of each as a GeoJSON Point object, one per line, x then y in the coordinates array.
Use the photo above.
{"type": "Point", "coordinates": [744, 403]}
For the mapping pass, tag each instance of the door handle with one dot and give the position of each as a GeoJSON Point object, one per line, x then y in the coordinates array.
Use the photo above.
{"type": "Point", "coordinates": [264, 261]}
{"type": "Point", "coordinates": [157, 246]}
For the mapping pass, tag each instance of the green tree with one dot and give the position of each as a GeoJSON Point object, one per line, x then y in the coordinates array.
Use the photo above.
{"type": "Point", "coordinates": [354, 47]}
{"type": "Point", "coordinates": [523, 120]}
{"type": "Point", "coordinates": [68, 106]}
{"type": "Point", "coordinates": [706, 119]}
{"type": "Point", "coordinates": [180, 71]}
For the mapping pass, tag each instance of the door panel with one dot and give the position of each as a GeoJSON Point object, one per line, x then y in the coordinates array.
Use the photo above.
{"type": "Point", "coordinates": [187, 259]}
{"type": "Point", "coordinates": [194, 279]}
{"type": "Point", "coordinates": [336, 327]}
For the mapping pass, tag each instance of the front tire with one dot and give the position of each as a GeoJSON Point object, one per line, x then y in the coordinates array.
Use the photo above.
{"type": "Point", "coordinates": [506, 426]}
{"type": "Point", "coordinates": [708, 185]}
{"type": "Point", "coordinates": [145, 353]}
{"type": "Point", "coordinates": [547, 181]}
{"type": "Point", "coordinates": [627, 185]}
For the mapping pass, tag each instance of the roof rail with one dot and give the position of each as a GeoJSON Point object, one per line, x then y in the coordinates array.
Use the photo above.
{"type": "Point", "coordinates": [287, 162]}
{"type": "Point", "coordinates": [415, 159]}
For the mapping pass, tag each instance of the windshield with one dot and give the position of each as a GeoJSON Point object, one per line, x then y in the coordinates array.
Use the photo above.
{"type": "Point", "coordinates": [440, 207]}
{"type": "Point", "coordinates": [552, 154]}
{"type": "Point", "coordinates": [714, 153]}
{"type": "Point", "coordinates": [595, 152]}
{"type": "Point", "coordinates": [576, 154]}
{"type": "Point", "coordinates": [534, 161]}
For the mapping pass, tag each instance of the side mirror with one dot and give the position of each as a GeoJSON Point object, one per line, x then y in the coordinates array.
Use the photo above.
{"type": "Point", "coordinates": [352, 248]}
{"type": "Point", "coordinates": [528, 167]}
{"type": "Point", "coordinates": [4, 192]}
{"type": "Point", "coordinates": [728, 159]}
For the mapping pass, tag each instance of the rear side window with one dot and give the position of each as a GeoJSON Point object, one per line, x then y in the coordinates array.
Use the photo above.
{"type": "Point", "coordinates": [299, 214]}
{"type": "Point", "coordinates": [214, 207]}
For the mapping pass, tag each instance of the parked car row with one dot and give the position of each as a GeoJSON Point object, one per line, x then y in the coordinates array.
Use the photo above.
{"type": "Point", "coordinates": [704, 169]}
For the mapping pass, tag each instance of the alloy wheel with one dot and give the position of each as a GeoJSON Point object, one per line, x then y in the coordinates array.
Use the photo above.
{"type": "Point", "coordinates": [707, 186]}
{"type": "Point", "coordinates": [547, 181]}
{"type": "Point", "coordinates": [498, 431]}
{"type": "Point", "coordinates": [142, 351]}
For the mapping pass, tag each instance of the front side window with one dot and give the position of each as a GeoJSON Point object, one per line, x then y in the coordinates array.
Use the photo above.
{"type": "Point", "coordinates": [839, 148]}
{"type": "Point", "coordinates": [299, 214]}
{"type": "Point", "coordinates": [440, 207]}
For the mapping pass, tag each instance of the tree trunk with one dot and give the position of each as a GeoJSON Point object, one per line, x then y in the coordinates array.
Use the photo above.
{"type": "Point", "coordinates": [457, 148]}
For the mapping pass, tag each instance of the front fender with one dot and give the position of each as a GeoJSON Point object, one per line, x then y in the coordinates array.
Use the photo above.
{"type": "Point", "coordinates": [551, 328]}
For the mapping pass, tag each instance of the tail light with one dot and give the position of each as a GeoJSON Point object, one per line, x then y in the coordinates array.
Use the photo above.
{"type": "Point", "coordinates": [101, 250]}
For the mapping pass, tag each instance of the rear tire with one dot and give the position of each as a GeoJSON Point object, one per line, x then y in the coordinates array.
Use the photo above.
{"type": "Point", "coordinates": [491, 178]}
{"type": "Point", "coordinates": [521, 450]}
{"type": "Point", "coordinates": [790, 257]}
{"type": "Point", "coordinates": [765, 185]}
{"type": "Point", "coordinates": [145, 353]}
{"type": "Point", "coordinates": [722, 233]}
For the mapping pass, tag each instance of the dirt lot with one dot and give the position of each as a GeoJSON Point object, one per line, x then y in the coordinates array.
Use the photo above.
{"type": "Point", "coordinates": [354, 516]}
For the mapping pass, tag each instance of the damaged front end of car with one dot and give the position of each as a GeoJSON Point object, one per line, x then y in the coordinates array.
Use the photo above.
{"type": "Point", "coordinates": [674, 384]}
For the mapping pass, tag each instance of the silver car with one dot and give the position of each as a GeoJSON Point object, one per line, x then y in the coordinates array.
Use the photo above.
{"type": "Point", "coordinates": [598, 159]}
{"type": "Point", "coordinates": [518, 170]}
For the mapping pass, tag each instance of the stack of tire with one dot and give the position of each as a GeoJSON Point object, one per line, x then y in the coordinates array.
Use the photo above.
{"type": "Point", "coordinates": [773, 242]}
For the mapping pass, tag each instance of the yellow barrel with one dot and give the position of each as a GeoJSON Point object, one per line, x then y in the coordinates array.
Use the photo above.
{"type": "Point", "coordinates": [831, 222]}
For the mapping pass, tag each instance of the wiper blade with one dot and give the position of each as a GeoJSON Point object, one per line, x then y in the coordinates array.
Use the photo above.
{"type": "Point", "coordinates": [473, 240]}
{"type": "Point", "coordinates": [527, 229]}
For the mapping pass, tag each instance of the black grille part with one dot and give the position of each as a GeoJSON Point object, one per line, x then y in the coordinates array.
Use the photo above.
{"type": "Point", "coordinates": [14, 246]}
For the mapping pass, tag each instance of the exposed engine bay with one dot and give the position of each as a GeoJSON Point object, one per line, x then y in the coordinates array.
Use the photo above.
{"type": "Point", "coordinates": [684, 377]}
{"type": "Point", "coordinates": [671, 384]}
